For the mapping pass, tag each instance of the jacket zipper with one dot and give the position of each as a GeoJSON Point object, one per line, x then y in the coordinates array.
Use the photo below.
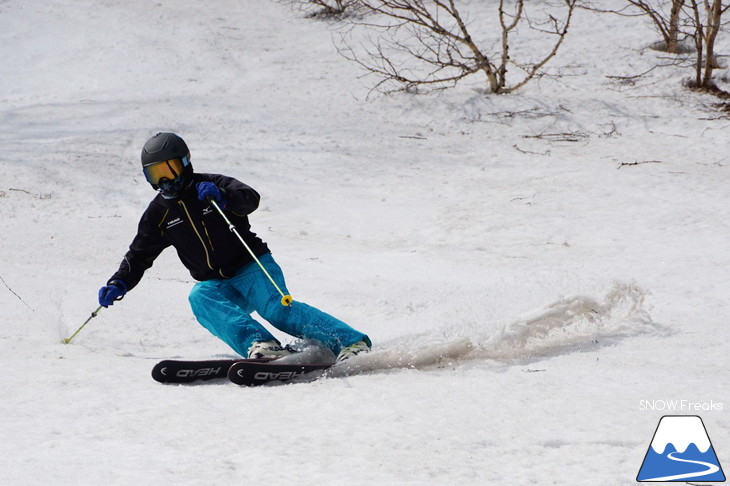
{"type": "Point", "coordinates": [212, 247]}
{"type": "Point", "coordinates": [202, 242]}
{"type": "Point", "coordinates": [207, 235]}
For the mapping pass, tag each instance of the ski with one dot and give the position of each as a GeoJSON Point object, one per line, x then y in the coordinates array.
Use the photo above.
{"type": "Point", "coordinates": [306, 365]}
{"type": "Point", "coordinates": [251, 373]}
{"type": "Point", "coordinates": [182, 371]}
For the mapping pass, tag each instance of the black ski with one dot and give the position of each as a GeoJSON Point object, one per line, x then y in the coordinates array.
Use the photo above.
{"type": "Point", "coordinates": [254, 373]}
{"type": "Point", "coordinates": [179, 371]}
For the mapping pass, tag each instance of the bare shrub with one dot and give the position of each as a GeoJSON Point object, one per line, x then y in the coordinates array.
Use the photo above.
{"type": "Point", "coordinates": [330, 9]}
{"type": "Point", "coordinates": [434, 44]}
{"type": "Point", "coordinates": [697, 20]}
{"type": "Point", "coordinates": [665, 15]}
{"type": "Point", "coordinates": [706, 22]}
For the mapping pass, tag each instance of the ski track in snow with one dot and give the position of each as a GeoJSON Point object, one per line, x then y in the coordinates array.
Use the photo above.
{"type": "Point", "coordinates": [567, 325]}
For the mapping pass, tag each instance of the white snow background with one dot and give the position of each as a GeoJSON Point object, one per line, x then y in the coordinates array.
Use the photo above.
{"type": "Point", "coordinates": [534, 293]}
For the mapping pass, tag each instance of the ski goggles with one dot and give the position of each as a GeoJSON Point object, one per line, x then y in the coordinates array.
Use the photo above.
{"type": "Point", "coordinates": [167, 169]}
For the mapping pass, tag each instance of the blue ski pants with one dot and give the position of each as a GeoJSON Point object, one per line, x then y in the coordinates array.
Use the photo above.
{"type": "Point", "coordinates": [224, 307]}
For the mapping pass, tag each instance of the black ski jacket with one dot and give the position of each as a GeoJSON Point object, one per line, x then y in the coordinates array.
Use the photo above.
{"type": "Point", "coordinates": [203, 241]}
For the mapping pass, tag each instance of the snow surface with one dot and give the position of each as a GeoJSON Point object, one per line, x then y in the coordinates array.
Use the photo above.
{"type": "Point", "coordinates": [541, 301]}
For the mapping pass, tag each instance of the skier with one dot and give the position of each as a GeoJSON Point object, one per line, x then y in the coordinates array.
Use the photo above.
{"type": "Point", "coordinates": [230, 283]}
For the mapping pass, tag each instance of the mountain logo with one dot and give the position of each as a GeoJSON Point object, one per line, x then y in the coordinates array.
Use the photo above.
{"type": "Point", "coordinates": [680, 451]}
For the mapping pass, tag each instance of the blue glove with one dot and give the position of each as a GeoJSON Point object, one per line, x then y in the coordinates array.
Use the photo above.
{"type": "Point", "coordinates": [115, 290]}
{"type": "Point", "coordinates": [208, 190]}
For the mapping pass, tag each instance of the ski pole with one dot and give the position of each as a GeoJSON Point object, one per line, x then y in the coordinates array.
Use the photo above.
{"type": "Point", "coordinates": [93, 314]}
{"type": "Point", "coordinates": [286, 299]}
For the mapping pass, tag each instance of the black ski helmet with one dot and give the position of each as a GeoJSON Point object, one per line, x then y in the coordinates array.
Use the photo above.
{"type": "Point", "coordinates": [166, 146]}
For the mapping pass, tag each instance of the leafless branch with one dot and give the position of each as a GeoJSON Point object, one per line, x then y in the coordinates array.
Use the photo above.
{"type": "Point", "coordinates": [628, 164]}
{"type": "Point", "coordinates": [430, 43]}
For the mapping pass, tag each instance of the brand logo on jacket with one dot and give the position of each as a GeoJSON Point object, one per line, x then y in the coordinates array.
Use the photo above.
{"type": "Point", "coordinates": [174, 222]}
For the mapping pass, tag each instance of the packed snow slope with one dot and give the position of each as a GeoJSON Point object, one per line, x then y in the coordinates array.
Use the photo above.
{"type": "Point", "coordinates": [534, 269]}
